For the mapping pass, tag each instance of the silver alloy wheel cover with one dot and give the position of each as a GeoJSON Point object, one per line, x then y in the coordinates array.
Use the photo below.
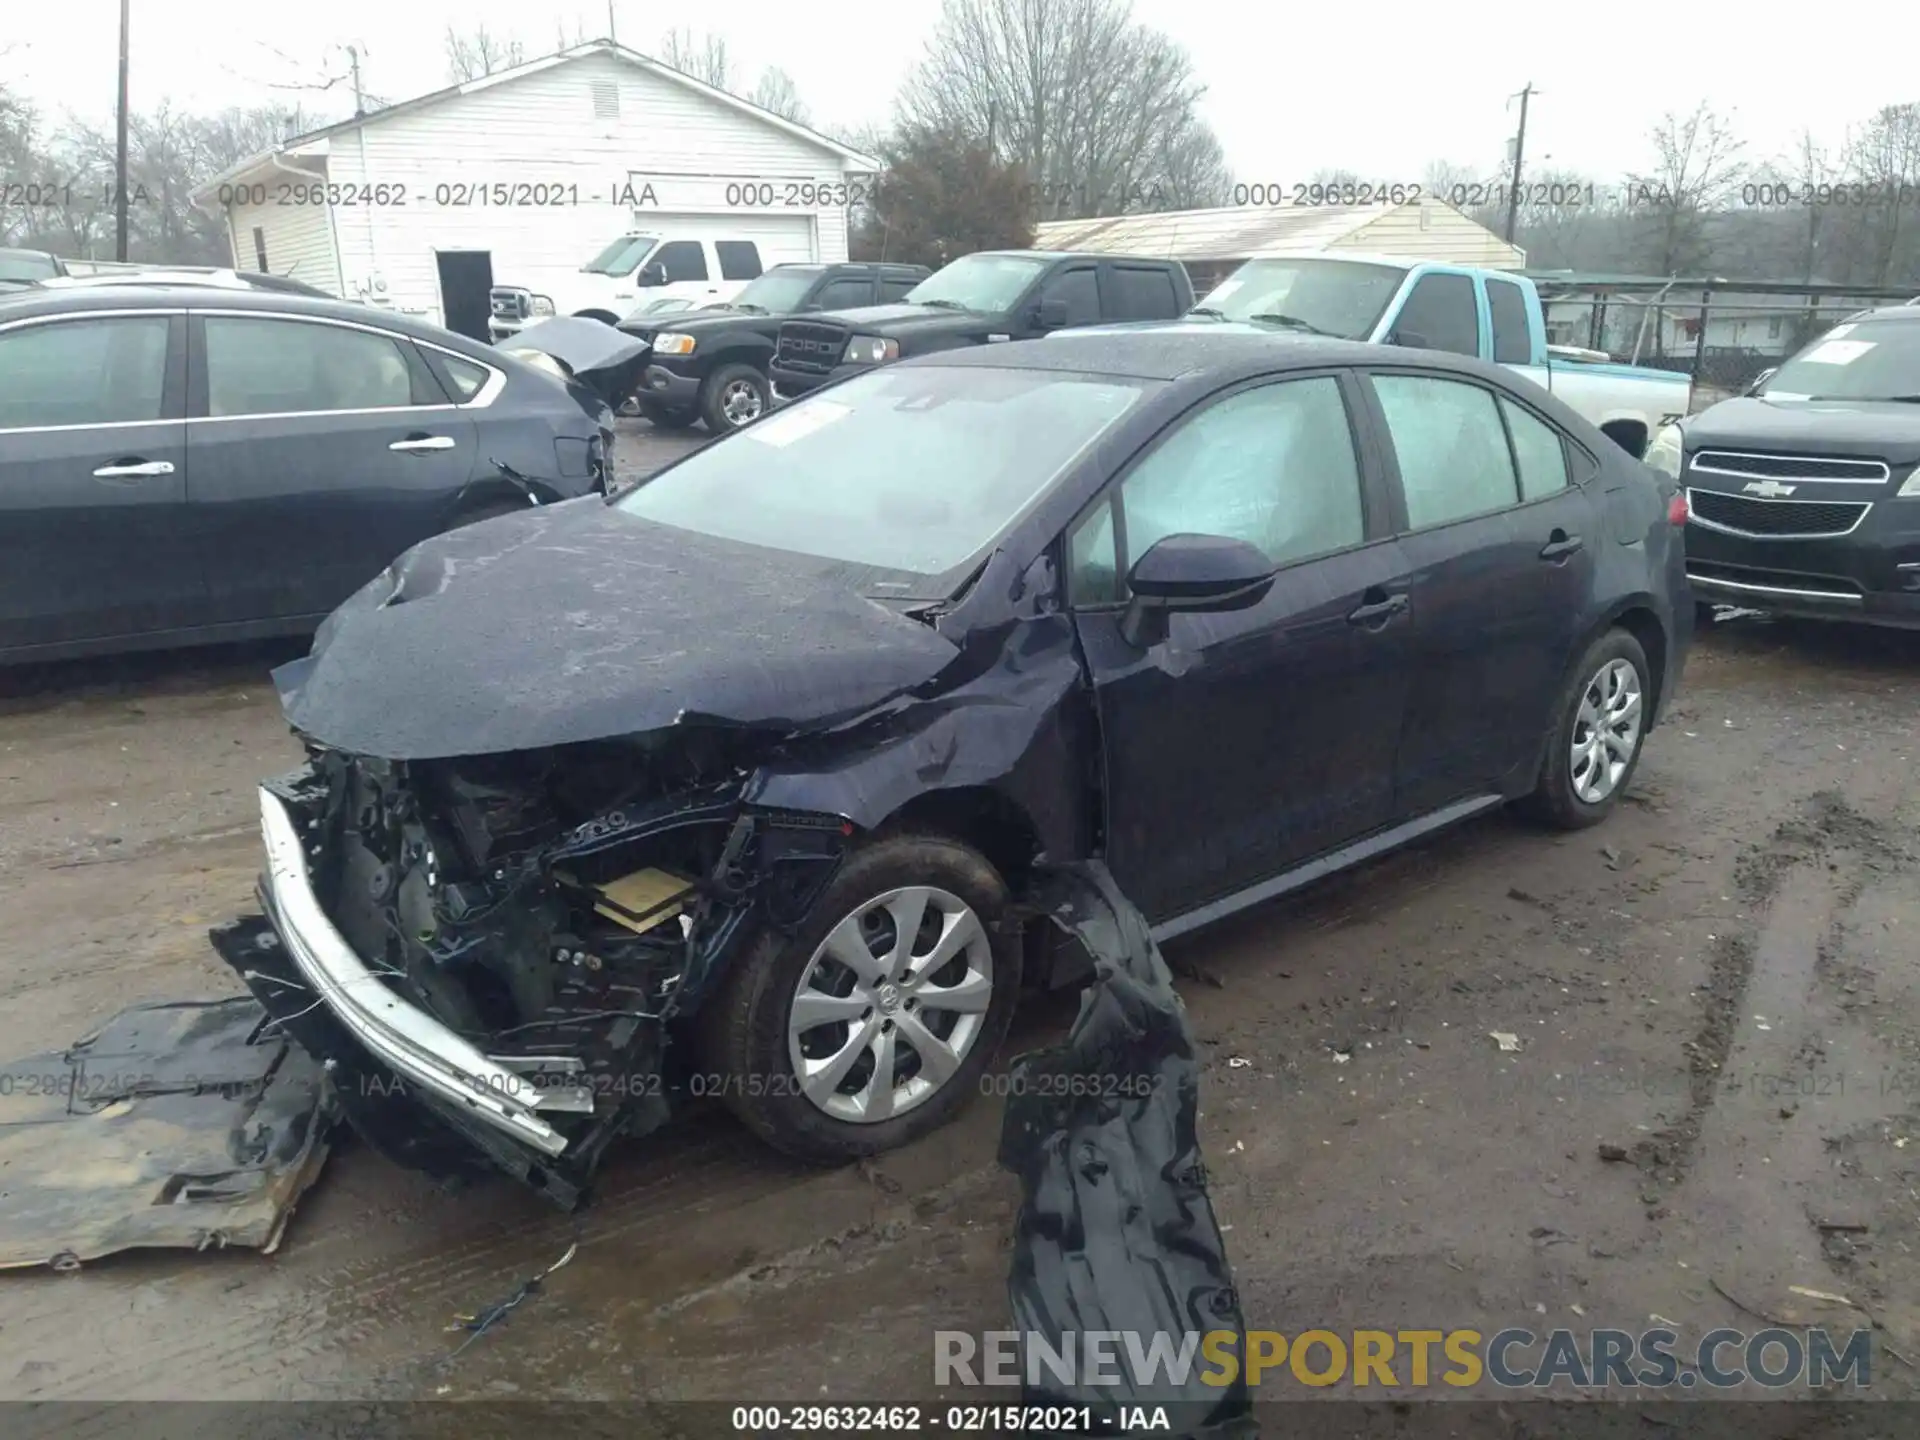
{"type": "Point", "coordinates": [740, 402]}
{"type": "Point", "coordinates": [881, 1014]}
{"type": "Point", "coordinates": [1606, 730]}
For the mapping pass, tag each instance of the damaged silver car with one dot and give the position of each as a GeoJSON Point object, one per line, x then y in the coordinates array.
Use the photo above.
{"type": "Point", "coordinates": [737, 785]}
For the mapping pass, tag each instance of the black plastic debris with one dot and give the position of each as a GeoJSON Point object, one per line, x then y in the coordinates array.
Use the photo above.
{"type": "Point", "coordinates": [186, 1124]}
{"type": "Point", "coordinates": [1116, 1232]}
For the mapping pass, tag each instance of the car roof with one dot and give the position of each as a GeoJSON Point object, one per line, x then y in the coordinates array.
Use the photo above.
{"type": "Point", "coordinates": [1909, 311]}
{"type": "Point", "coordinates": [1169, 355]}
{"type": "Point", "coordinates": [156, 293]}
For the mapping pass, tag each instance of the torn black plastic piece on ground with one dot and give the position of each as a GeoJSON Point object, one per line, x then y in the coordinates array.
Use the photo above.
{"type": "Point", "coordinates": [1116, 1233]}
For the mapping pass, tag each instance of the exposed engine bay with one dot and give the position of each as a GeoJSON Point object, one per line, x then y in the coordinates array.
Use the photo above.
{"type": "Point", "coordinates": [559, 909]}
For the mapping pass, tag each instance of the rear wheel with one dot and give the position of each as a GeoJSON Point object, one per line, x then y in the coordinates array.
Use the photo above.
{"type": "Point", "coordinates": [1596, 744]}
{"type": "Point", "coordinates": [872, 1024]}
{"type": "Point", "coordinates": [734, 395]}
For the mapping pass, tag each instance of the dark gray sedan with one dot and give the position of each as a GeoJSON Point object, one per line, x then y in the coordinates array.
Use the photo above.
{"type": "Point", "coordinates": [196, 461]}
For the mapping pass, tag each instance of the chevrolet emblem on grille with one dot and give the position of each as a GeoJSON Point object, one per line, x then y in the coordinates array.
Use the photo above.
{"type": "Point", "coordinates": [1767, 489]}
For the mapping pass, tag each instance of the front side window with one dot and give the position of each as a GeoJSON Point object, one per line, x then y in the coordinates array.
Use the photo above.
{"type": "Point", "coordinates": [1079, 292]}
{"type": "Point", "coordinates": [83, 372]}
{"type": "Point", "coordinates": [1274, 466]}
{"type": "Point", "coordinates": [911, 471]}
{"type": "Point", "coordinates": [989, 284]}
{"type": "Point", "coordinates": [283, 367]}
{"type": "Point", "coordinates": [1440, 314]}
{"type": "Point", "coordinates": [1451, 446]}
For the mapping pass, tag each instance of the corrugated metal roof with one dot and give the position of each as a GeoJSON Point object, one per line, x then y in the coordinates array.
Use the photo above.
{"type": "Point", "coordinates": [1231, 233]}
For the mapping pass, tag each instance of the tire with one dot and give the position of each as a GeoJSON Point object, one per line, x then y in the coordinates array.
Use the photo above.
{"type": "Point", "coordinates": [1565, 796]}
{"type": "Point", "coordinates": [748, 1023]}
{"type": "Point", "coordinates": [667, 419]}
{"type": "Point", "coordinates": [734, 395]}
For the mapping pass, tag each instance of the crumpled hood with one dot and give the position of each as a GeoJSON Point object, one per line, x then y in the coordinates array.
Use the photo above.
{"type": "Point", "coordinates": [1880, 429]}
{"type": "Point", "coordinates": [582, 345]}
{"type": "Point", "coordinates": [576, 622]}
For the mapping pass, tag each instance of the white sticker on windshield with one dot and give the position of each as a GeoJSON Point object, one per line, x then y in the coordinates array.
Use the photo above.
{"type": "Point", "coordinates": [1224, 289]}
{"type": "Point", "coordinates": [1840, 352]}
{"type": "Point", "coordinates": [783, 427]}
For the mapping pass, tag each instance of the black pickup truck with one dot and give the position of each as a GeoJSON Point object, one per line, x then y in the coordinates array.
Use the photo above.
{"type": "Point", "coordinates": [978, 299]}
{"type": "Point", "coordinates": [711, 364]}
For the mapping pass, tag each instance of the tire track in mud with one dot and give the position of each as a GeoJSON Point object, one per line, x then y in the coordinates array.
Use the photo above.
{"type": "Point", "coordinates": [1824, 826]}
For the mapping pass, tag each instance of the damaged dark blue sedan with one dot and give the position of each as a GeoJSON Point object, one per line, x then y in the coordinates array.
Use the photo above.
{"type": "Point", "coordinates": [740, 783]}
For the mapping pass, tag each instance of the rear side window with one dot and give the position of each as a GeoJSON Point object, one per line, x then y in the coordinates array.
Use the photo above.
{"type": "Point", "coordinates": [466, 376]}
{"type": "Point", "coordinates": [739, 260]}
{"type": "Point", "coordinates": [894, 287]}
{"type": "Point", "coordinates": [281, 367]}
{"type": "Point", "coordinates": [1080, 292]}
{"type": "Point", "coordinates": [682, 260]}
{"type": "Point", "coordinates": [844, 294]}
{"type": "Point", "coordinates": [1142, 294]}
{"type": "Point", "coordinates": [83, 372]}
{"type": "Point", "coordinates": [1440, 314]}
{"type": "Point", "coordinates": [1507, 309]}
{"type": "Point", "coordinates": [1452, 448]}
{"type": "Point", "coordinates": [1538, 449]}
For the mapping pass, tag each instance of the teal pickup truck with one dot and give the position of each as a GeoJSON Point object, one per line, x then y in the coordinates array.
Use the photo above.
{"type": "Point", "coordinates": [1427, 305]}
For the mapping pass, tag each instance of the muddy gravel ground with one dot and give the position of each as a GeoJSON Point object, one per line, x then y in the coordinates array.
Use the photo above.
{"type": "Point", "coordinates": [1715, 995]}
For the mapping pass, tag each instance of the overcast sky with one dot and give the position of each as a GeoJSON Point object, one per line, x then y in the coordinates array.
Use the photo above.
{"type": "Point", "coordinates": [1382, 88]}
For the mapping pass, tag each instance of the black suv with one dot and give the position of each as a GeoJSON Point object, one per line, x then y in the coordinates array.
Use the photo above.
{"type": "Point", "coordinates": [1804, 496]}
{"type": "Point", "coordinates": [991, 296]}
{"type": "Point", "coordinates": [712, 365]}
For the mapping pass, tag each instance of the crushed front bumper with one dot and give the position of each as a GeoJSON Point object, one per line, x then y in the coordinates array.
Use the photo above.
{"type": "Point", "coordinates": [400, 1036]}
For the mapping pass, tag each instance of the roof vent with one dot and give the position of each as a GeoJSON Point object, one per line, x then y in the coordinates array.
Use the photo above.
{"type": "Point", "coordinates": [606, 99]}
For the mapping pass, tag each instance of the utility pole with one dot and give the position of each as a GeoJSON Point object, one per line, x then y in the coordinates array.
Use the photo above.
{"type": "Point", "coordinates": [610, 31]}
{"type": "Point", "coordinates": [359, 97]}
{"type": "Point", "coordinates": [120, 145]}
{"type": "Point", "coordinates": [1519, 146]}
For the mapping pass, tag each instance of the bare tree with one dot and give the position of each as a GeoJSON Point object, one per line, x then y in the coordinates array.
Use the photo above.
{"type": "Point", "coordinates": [1883, 168]}
{"type": "Point", "coordinates": [1464, 186]}
{"type": "Point", "coordinates": [477, 52]}
{"type": "Point", "coordinates": [943, 195]}
{"type": "Point", "coordinates": [1697, 170]}
{"type": "Point", "coordinates": [1090, 104]}
{"type": "Point", "coordinates": [777, 92]}
{"type": "Point", "coordinates": [704, 57]}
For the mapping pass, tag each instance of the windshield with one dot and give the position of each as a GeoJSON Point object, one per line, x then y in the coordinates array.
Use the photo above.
{"type": "Point", "coordinates": [1870, 360]}
{"type": "Point", "coordinates": [778, 291]}
{"type": "Point", "coordinates": [623, 256]}
{"type": "Point", "coordinates": [987, 283]}
{"type": "Point", "coordinates": [27, 267]}
{"type": "Point", "coordinates": [1337, 297]}
{"type": "Point", "coordinates": [912, 471]}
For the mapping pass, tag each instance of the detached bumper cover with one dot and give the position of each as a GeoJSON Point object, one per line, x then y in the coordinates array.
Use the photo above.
{"type": "Point", "coordinates": [400, 1035]}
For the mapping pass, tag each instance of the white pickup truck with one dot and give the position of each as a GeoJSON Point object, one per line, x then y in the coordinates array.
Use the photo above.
{"type": "Point", "coordinates": [1429, 305]}
{"type": "Point", "coordinates": [628, 274]}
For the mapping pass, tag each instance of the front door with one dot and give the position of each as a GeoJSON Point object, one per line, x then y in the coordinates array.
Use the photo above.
{"type": "Point", "coordinates": [320, 451]}
{"type": "Point", "coordinates": [1249, 741]}
{"type": "Point", "coordinates": [466, 285]}
{"type": "Point", "coordinates": [1502, 553]}
{"type": "Point", "coordinates": [94, 533]}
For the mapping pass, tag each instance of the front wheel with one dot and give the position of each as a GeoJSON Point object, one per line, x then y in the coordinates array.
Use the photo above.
{"type": "Point", "coordinates": [1602, 720]}
{"type": "Point", "coordinates": [873, 1023]}
{"type": "Point", "coordinates": [667, 419]}
{"type": "Point", "coordinates": [734, 395]}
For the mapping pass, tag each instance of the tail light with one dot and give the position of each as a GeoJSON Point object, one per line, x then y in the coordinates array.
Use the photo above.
{"type": "Point", "coordinates": [1677, 508]}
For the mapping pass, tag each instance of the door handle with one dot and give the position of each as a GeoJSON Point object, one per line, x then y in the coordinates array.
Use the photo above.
{"type": "Point", "coordinates": [1377, 612]}
{"type": "Point", "coordinates": [415, 443]}
{"type": "Point", "coordinates": [1560, 545]}
{"type": "Point", "coordinates": [133, 468]}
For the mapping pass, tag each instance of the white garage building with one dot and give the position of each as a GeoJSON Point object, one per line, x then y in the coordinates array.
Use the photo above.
{"type": "Point", "coordinates": [524, 176]}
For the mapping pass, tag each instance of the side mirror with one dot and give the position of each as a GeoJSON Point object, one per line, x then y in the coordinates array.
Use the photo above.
{"type": "Point", "coordinates": [1195, 573]}
{"type": "Point", "coordinates": [1761, 379]}
{"type": "Point", "coordinates": [652, 273]}
{"type": "Point", "coordinates": [1052, 315]}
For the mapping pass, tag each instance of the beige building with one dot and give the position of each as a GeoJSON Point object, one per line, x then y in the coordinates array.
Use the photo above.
{"type": "Point", "coordinates": [1213, 243]}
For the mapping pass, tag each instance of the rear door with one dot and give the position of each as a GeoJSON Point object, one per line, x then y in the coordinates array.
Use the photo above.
{"type": "Point", "coordinates": [844, 292]}
{"type": "Point", "coordinates": [95, 539]}
{"type": "Point", "coordinates": [1138, 292]}
{"type": "Point", "coordinates": [320, 449]}
{"type": "Point", "coordinates": [1501, 550]}
{"type": "Point", "coordinates": [1249, 741]}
